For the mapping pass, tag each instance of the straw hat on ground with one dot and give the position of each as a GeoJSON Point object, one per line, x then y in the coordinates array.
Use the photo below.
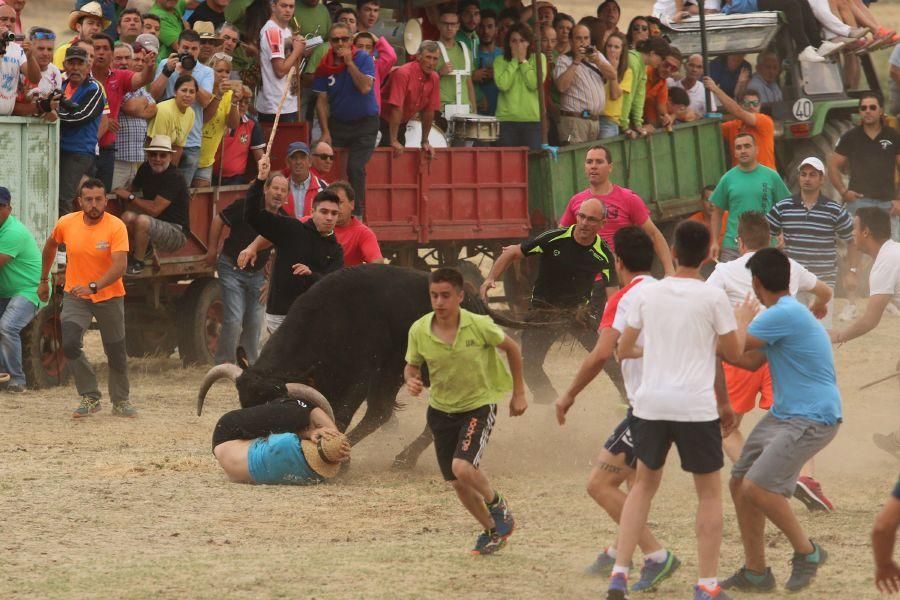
{"type": "Point", "coordinates": [324, 457]}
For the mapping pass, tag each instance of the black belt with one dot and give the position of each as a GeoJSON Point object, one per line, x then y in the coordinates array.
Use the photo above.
{"type": "Point", "coordinates": [585, 114]}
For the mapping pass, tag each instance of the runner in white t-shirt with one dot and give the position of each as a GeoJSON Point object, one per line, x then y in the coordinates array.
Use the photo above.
{"type": "Point", "coordinates": [682, 320]}
{"type": "Point", "coordinates": [744, 387]}
{"type": "Point", "coordinates": [616, 461]}
{"type": "Point", "coordinates": [279, 50]}
{"type": "Point", "coordinates": [872, 235]}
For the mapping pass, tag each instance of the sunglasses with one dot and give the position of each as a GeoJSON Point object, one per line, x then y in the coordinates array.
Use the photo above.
{"type": "Point", "coordinates": [753, 103]}
{"type": "Point", "coordinates": [341, 40]}
{"type": "Point", "coordinates": [324, 156]}
{"type": "Point", "coordinates": [43, 35]}
{"type": "Point", "coordinates": [640, 28]}
{"type": "Point", "coordinates": [865, 107]}
{"type": "Point", "coordinates": [222, 56]}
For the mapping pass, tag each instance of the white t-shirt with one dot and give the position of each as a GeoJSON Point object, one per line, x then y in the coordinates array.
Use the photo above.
{"type": "Point", "coordinates": [274, 42]}
{"type": "Point", "coordinates": [10, 69]}
{"type": "Point", "coordinates": [681, 320]}
{"type": "Point", "coordinates": [697, 95]}
{"type": "Point", "coordinates": [632, 368]}
{"type": "Point", "coordinates": [884, 278]}
{"type": "Point", "coordinates": [734, 277]}
{"type": "Point", "coordinates": [51, 79]}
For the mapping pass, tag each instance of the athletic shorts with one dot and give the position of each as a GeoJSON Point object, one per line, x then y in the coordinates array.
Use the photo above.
{"type": "Point", "coordinates": [621, 442]}
{"type": "Point", "coordinates": [744, 386]}
{"type": "Point", "coordinates": [777, 449]}
{"type": "Point", "coordinates": [166, 236]}
{"type": "Point", "coordinates": [278, 459]}
{"type": "Point", "coordinates": [460, 435]}
{"type": "Point", "coordinates": [699, 444]}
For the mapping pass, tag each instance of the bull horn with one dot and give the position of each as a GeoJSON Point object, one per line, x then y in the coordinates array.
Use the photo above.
{"type": "Point", "coordinates": [223, 371]}
{"type": "Point", "coordinates": [311, 395]}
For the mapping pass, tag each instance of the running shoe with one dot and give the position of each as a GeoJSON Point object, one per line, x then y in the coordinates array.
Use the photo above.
{"type": "Point", "coordinates": [653, 573]}
{"type": "Point", "coordinates": [804, 568]}
{"type": "Point", "coordinates": [888, 443]}
{"type": "Point", "coordinates": [87, 407]}
{"type": "Point", "coordinates": [488, 542]}
{"type": "Point", "coordinates": [704, 593]}
{"type": "Point", "coordinates": [746, 581]}
{"type": "Point", "coordinates": [503, 519]}
{"type": "Point", "coordinates": [14, 388]}
{"type": "Point", "coordinates": [124, 409]}
{"type": "Point", "coordinates": [135, 267]}
{"type": "Point", "coordinates": [618, 587]}
{"type": "Point", "coordinates": [809, 492]}
{"type": "Point", "coordinates": [602, 566]}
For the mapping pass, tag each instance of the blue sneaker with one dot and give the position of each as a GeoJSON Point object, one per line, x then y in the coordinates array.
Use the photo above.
{"type": "Point", "coordinates": [652, 573]}
{"type": "Point", "coordinates": [618, 587]}
{"type": "Point", "coordinates": [503, 519]}
{"type": "Point", "coordinates": [602, 566]}
{"type": "Point", "coordinates": [488, 542]}
{"type": "Point", "coordinates": [704, 593]}
{"type": "Point", "coordinates": [804, 568]}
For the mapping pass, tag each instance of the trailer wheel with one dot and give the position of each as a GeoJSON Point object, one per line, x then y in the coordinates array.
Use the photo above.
{"type": "Point", "coordinates": [42, 356]}
{"type": "Point", "coordinates": [200, 317]}
{"type": "Point", "coordinates": [149, 332]}
{"type": "Point", "coordinates": [471, 276]}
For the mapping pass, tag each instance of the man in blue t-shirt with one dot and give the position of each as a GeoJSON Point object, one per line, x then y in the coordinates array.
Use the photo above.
{"type": "Point", "coordinates": [346, 105]}
{"type": "Point", "coordinates": [804, 418]}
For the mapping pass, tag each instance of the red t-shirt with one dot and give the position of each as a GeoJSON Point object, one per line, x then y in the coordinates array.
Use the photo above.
{"type": "Point", "coordinates": [410, 90]}
{"type": "Point", "coordinates": [238, 143]}
{"type": "Point", "coordinates": [117, 84]}
{"type": "Point", "coordinates": [623, 207]}
{"type": "Point", "coordinates": [358, 242]}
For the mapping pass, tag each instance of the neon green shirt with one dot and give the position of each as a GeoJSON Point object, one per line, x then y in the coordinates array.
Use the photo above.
{"type": "Point", "coordinates": [21, 275]}
{"type": "Point", "coordinates": [467, 375]}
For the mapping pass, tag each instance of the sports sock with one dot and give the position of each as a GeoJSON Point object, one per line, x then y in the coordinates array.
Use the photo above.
{"type": "Point", "coordinates": [710, 583]}
{"type": "Point", "coordinates": [495, 500]}
{"type": "Point", "coordinates": [754, 576]}
{"type": "Point", "coordinates": [658, 556]}
{"type": "Point", "coordinates": [611, 552]}
{"type": "Point", "coordinates": [814, 555]}
{"type": "Point", "coordinates": [619, 569]}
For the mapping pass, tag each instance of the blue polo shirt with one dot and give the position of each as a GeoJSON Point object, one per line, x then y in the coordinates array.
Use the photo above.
{"type": "Point", "coordinates": [204, 76]}
{"type": "Point", "coordinates": [801, 362]}
{"type": "Point", "coordinates": [344, 100]}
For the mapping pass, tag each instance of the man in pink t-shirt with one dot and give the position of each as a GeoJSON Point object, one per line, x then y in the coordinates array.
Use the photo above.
{"type": "Point", "coordinates": [623, 207]}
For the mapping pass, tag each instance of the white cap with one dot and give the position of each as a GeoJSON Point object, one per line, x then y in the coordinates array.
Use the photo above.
{"type": "Point", "coordinates": [814, 162]}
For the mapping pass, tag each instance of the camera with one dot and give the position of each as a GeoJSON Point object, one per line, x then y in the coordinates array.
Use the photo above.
{"type": "Point", "coordinates": [590, 50]}
{"type": "Point", "coordinates": [187, 60]}
{"type": "Point", "coordinates": [44, 102]}
{"type": "Point", "coordinates": [5, 38]}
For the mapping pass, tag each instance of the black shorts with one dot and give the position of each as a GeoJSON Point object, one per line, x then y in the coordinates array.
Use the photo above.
{"type": "Point", "coordinates": [621, 441]}
{"type": "Point", "coordinates": [460, 435]}
{"type": "Point", "coordinates": [699, 444]}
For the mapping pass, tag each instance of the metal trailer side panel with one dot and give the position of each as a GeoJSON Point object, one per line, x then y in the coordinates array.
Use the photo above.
{"type": "Point", "coordinates": [29, 167]}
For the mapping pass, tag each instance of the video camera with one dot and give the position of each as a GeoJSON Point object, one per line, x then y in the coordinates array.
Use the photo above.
{"type": "Point", "coordinates": [44, 102]}
{"type": "Point", "coordinates": [5, 38]}
{"type": "Point", "coordinates": [187, 61]}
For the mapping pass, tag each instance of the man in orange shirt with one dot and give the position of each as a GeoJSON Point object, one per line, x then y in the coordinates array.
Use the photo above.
{"type": "Point", "coordinates": [96, 255]}
{"type": "Point", "coordinates": [747, 119]}
{"type": "Point", "coordinates": [656, 109]}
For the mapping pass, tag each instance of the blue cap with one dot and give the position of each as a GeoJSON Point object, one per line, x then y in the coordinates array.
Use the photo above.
{"type": "Point", "coordinates": [5, 196]}
{"type": "Point", "coordinates": [298, 147]}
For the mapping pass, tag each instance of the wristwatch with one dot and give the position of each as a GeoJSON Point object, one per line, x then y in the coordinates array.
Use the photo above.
{"type": "Point", "coordinates": [131, 197]}
{"type": "Point", "coordinates": [93, 287]}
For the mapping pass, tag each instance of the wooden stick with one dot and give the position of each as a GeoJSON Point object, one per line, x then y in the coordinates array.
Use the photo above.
{"type": "Point", "coordinates": [877, 381]}
{"type": "Point", "coordinates": [287, 86]}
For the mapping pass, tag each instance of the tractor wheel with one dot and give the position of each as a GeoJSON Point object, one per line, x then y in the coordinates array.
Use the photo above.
{"type": "Point", "coordinates": [149, 332]}
{"type": "Point", "coordinates": [42, 356]}
{"type": "Point", "coordinates": [200, 316]}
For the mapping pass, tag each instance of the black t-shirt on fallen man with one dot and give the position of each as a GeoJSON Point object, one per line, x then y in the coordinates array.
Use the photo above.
{"type": "Point", "coordinates": [568, 269]}
{"type": "Point", "coordinates": [205, 13]}
{"type": "Point", "coordinates": [872, 161]}
{"type": "Point", "coordinates": [169, 185]}
{"type": "Point", "coordinates": [241, 235]}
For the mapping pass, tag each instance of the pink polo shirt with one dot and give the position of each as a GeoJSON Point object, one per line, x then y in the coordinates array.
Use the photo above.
{"type": "Point", "coordinates": [623, 207]}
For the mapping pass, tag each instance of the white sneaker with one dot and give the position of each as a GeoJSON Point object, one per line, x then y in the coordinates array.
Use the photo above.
{"type": "Point", "coordinates": [858, 32]}
{"type": "Point", "coordinates": [829, 48]}
{"type": "Point", "coordinates": [809, 55]}
{"type": "Point", "coordinates": [849, 313]}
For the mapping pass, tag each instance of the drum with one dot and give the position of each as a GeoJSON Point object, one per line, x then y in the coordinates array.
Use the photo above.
{"type": "Point", "coordinates": [475, 127]}
{"type": "Point", "coordinates": [436, 136]}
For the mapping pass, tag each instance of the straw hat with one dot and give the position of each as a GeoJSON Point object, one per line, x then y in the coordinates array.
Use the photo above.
{"type": "Point", "coordinates": [207, 31]}
{"type": "Point", "coordinates": [159, 143]}
{"type": "Point", "coordinates": [324, 457]}
{"type": "Point", "coordinates": [91, 9]}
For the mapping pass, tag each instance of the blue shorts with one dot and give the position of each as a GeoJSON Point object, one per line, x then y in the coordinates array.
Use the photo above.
{"type": "Point", "coordinates": [278, 459]}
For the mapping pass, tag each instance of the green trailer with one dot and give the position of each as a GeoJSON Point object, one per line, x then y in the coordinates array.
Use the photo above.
{"type": "Point", "coordinates": [667, 170]}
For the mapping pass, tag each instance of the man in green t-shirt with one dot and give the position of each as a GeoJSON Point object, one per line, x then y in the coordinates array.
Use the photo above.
{"type": "Point", "coordinates": [467, 379]}
{"type": "Point", "coordinates": [456, 62]}
{"type": "Point", "coordinates": [20, 272]}
{"type": "Point", "coordinates": [747, 187]}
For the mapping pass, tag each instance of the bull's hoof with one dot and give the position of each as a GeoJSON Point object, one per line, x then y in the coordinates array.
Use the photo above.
{"type": "Point", "coordinates": [402, 463]}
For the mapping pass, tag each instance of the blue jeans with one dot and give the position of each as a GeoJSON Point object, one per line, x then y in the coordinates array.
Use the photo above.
{"type": "Point", "coordinates": [17, 312]}
{"type": "Point", "coordinates": [884, 205]}
{"type": "Point", "coordinates": [609, 127]}
{"type": "Point", "coordinates": [518, 133]}
{"type": "Point", "coordinates": [243, 317]}
{"type": "Point", "coordinates": [190, 158]}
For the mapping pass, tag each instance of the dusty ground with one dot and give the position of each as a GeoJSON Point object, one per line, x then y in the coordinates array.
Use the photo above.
{"type": "Point", "coordinates": [106, 507]}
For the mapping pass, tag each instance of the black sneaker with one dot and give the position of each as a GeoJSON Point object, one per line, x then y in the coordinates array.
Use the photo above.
{"type": "Point", "coordinates": [14, 388]}
{"type": "Point", "coordinates": [135, 266]}
{"type": "Point", "coordinates": [804, 568]}
{"type": "Point", "coordinates": [742, 581]}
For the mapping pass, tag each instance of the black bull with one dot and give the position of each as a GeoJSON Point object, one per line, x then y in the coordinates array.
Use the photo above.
{"type": "Point", "coordinates": [346, 337]}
